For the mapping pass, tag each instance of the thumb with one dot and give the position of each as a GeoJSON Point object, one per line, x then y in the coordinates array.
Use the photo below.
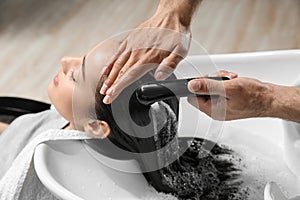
{"type": "Point", "coordinates": [206, 86]}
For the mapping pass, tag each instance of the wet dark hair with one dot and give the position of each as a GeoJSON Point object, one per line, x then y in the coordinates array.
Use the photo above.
{"type": "Point", "coordinates": [104, 112]}
{"type": "Point", "coordinates": [198, 173]}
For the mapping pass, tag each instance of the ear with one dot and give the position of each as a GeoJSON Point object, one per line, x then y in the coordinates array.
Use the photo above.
{"type": "Point", "coordinates": [97, 128]}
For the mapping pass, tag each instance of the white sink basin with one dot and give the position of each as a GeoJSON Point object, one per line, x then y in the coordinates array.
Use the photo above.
{"type": "Point", "coordinates": [71, 170]}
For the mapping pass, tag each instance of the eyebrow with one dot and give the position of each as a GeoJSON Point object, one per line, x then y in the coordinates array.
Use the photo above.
{"type": "Point", "coordinates": [83, 67]}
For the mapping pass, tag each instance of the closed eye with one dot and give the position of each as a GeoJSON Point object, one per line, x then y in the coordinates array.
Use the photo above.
{"type": "Point", "coordinates": [72, 76]}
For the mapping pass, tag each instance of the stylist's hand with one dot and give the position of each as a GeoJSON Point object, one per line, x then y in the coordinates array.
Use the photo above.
{"type": "Point", "coordinates": [238, 98]}
{"type": "Point", "coordinates": [161, 42]}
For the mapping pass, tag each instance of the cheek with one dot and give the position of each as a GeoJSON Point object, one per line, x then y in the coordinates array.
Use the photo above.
{"type": "Point", "coordinates": [83, 110]}
{"type": "Point", "coordinates": [61, 98]}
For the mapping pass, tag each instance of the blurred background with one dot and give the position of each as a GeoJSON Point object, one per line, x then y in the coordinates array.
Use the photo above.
{"type": "Point", "coordinates": [35, 34]}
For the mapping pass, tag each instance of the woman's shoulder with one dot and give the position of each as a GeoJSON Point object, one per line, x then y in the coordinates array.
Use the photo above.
{"type": "Point", "coordinates": [42, 120]}
{"type": "Point", "coordinates": [46, 114]}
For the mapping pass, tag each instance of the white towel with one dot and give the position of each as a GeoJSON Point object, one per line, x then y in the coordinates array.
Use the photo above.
{"type": "Point", "coordinates": [13, 184]}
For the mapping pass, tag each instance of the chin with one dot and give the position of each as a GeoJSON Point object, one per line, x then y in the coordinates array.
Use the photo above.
{"type": "Point", "coordinates": [55, 101]}
{"type": "Point", "coordinates": [51, 94]}
{"type": "Point", "coordinates": [49, 91]}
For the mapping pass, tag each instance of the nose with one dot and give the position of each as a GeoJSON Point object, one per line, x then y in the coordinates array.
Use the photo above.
{"type": "Point", "coordinates": [70, 63]}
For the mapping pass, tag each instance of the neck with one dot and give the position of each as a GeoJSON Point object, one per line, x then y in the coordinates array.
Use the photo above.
{"type": "Point", "coordinates": [70, 126]}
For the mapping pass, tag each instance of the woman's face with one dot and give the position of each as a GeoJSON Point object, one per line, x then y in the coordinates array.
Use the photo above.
{"type": "Point", "coordinates": [72, 90]}
{"type": "Point", "coordinates": [61, 88]}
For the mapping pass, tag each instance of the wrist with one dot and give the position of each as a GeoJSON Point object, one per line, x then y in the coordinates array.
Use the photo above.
{"type": "Point", "coordinates": [273, 107]}
{"type": "Point", "coordinates": [170, 20]}
{"type": "Point", "coordinates": [282, 102]}
{"type": "Point", "coordinates": [268, 97]}
{"type": "Point", "coordinates": [286, 103]}
{"type": "Point", "coordinates": [183, 10]}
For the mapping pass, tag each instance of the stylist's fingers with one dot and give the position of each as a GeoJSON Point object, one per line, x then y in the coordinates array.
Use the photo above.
{"type": "Point", "coordinates": [116, 69]}
{"type": "Point", "coordinates": [213, 107]}
{"type": "Point", "coordinates": [114, 66]}
{"type": "Point", "coordinates": [207, 86]}
{"type": "Point", "coordinates": [122, 82]}
{"type": "Point", "coordinates": [119, 84]}
{"type": "Point", "coordinates": [139, 63]}
{"type": "Point", "coordinates": [200, 103]}
{"type": "Point", "coordinates": [167, 66]}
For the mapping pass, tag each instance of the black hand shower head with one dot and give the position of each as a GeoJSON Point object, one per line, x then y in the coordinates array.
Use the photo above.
{"type": "Point", "coordinates": [149, 93]}
{"type": "Point", "coordinates": [161, 90]}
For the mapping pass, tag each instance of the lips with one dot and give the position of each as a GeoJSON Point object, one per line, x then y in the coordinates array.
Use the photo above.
{"type": "Point", "coordinates": [55, 80]}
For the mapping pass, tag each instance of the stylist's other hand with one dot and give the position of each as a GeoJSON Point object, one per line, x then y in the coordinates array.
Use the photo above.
{"type": "Point", "coordinates": [160, 42]}
{"type": "Point", "coordinates": [237, 98]}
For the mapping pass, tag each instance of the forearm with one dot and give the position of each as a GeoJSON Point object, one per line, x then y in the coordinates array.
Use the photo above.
{"type": "Point", "coordinates": [184, 9]}
{"type": "Point", "coordinates": [285, 103]}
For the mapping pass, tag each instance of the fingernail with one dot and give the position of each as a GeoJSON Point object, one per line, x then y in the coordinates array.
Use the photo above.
{"type": "Point", "coordinates": [106, 99]}
{"type": "Point", "coordinates": [161, 75]}
{"type": "Point", "coordinates": [194, 86]}
{"type": "Point", "coordinates": [103, 89]}
{"type": "Point", "coordinates": [233, 75]}
{"type": "Point", "coordinates": [110, 91]}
